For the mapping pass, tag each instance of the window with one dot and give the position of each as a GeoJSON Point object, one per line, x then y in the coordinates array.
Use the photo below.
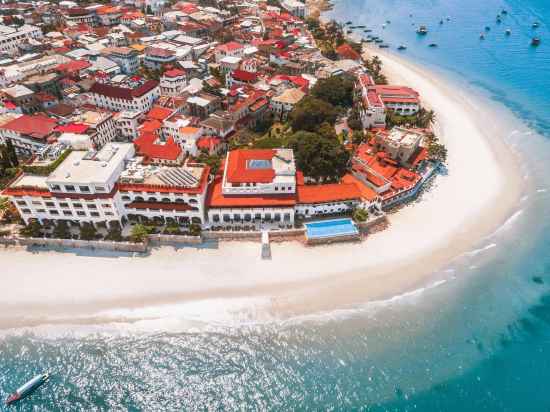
{"type": "Point", "coordinates": [50, 204]}
{"type": "Point", "coordinates": [226, 218]}
{"type": "Point", "coordinates": [54, 212]}
{"type": "Point", "coordinates": [92, 206]}
{"type": "Point", "coordinates": [40, 210]}
{"type": "Point", "coordinates": [94, 214]}
{"type": "Point", "coordinates": [109, 214]}
{"type": "Point", "coordinates": [21, 203]}
{"type": "Point", "coordinates": [67, 213]}
{"type": "Point", "coordinates": [81, 213]}
{"type": "Point", "coordinates": [69, 188]}
{"type": "Point", "coordinates": [64, 204]}
{"type": "Point", "coordinates": [215, 218]}
{"type": "Point", "coordinates": [77, 205]}
{"type": "Point", "coordinates": [106, 206]}
{"type": "Point", "coordinates": [100, 189]}
{"type": "Point", "coordinates": [258, 216]}
{"type": "Point", "coordinates": [84, 189]}
{"type": "Point", "coordinates": [26, 211]}
{"type": "Point", "coordinates": [36, 202]}
{"type": "Point", "coordinates": [55, 187]}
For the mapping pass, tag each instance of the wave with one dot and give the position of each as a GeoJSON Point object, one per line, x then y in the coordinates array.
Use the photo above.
{"type": "Point", "coordinates": [208, 316]}
{"type": "Point", "coordinates": [480, 250]}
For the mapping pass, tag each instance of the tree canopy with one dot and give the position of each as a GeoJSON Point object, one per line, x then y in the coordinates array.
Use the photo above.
{"type": "Point", "coordinates": [320, 158]}
{"type": "Point", "coordinates": [336, 90]}
{"type": "Point", "coordinates": [310, 113]}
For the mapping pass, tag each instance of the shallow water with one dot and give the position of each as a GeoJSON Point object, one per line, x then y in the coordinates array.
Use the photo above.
{"type": "Point", "coordinates": [477, 338]}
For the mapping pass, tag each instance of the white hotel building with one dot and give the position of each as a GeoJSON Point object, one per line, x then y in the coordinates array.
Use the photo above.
{"type": "Point", "coordinates": [258, 190]}
{"type": "Point", "coordinates": [111, 185]}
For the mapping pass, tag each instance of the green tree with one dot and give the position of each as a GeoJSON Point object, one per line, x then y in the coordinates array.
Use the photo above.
{"type": "Point", "coordinates": [336, 90]}
{"type": "Point", "coordinates": [114, 234]}
{"type": "Point", "coordinates": [357, 137]}
{"type": "Point", "coordinates": [61, 230]}
{"type": "Point", "coordinates": [87, 231]}
{"type": "Point", "coordinates": [195, 229]}
{"type": "Point", "coordinates": [360, 215]}
{"type": "Point", "coordinates": [310, 113]}
{"type": "Point", "coordinates": [354, 120]}
{"type": "Point", "coordinates": [139, 233]}
{"type": "Point", "coordinates": [321, 159]}
{"type": "Point", "coordinates": [172, 229]}
{"type": "Point", "coordinates": [33, 229]}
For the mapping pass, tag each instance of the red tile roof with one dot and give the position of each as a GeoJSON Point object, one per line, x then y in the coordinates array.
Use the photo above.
{"type": "Point", "coordinates": [77, 128]}
{"type": "Point", "coordinates": [239, 172]}
{"type": "Point", "coordinates": [123, 92]}
{"type": "Point", "coordinates": [159, 113]}
{"type": "Point", "coordinates": [183, 207]}
{"type": "Point", "coordinates": [336, 192]}
{"type": "Point", "coordinates": [147, 145]}
{"type": "Point", "coordinates": [73, 66]}
{"type": "Point", "coordinates": [37, 126]}
{"type": "Point", "coordinates": [230, 46]}
{"type": "Point", "coordinates": [216, 199]}
{"type": "Point", "coordinates": [174, 73]}
{"type": "Point", "coordinates": [345, 51]}
{"type": "Point", "coordinates": [243, 76]}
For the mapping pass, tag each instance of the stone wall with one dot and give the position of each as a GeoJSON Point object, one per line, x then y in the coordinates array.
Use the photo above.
{"type": "Point", "coordinates": [71, 243]}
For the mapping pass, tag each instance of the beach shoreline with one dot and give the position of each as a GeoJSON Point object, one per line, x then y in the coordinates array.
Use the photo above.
{"type": "Point", "coordinates": [480, 191]}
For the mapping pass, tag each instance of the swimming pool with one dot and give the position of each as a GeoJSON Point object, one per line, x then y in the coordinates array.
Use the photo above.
{"type": "Point", "coordinates": [331, 228]}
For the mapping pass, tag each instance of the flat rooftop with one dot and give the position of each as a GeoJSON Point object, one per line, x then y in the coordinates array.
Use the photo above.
{"type": "Point", "coordinates": [92, 166]}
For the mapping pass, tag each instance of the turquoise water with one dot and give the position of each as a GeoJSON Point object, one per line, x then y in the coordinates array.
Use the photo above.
{"type": "Point", "coordinates": [477, 339]}
{"type": "Point", "coordinates": [329, 228]}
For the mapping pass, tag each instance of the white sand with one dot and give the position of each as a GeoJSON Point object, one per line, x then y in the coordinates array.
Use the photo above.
{"type": "Point", "coordinates": [481, 190]}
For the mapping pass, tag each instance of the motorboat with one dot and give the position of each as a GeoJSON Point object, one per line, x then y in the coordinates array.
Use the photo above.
{"type": "Point", "coordinates": [422, 30]}
{"type": "Point", "coordinates": [28, 388]}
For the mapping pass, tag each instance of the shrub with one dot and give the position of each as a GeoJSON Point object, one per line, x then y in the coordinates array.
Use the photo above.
{"type": "Point", "coordinates": [360, 215]}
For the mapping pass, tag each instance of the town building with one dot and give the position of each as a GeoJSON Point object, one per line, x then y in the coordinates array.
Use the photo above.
{"type": "Point", "coordinates": [134, 95]}
{"type": "Point", "coordinates": [11, 38]}
{"type": "Point", "coordinates": [29, 133]}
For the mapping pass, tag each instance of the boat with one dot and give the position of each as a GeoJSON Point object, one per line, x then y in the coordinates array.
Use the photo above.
{"type": "Point", "coordinates": [422, 30]}
{"type": "Point", "coordinates": [536, 25]}
{"type": "Point", "coordinates": [487, 28]}
{"type": "Point", "coordinates": [448, 18]}
{"type": "Point", "coordinates": [508, 32]}
{"type": "Point", "coordinates": [369, 40]}
{"type": "Point", "coordinates": [402, 47]}
{"type": "Point", "coordinates": [360, 26]}
{"type": "Point", "coordinates": [535, 41]}
{"type": "Point", "coordinates": [388, 21]}
{"type": "Point", "coordinates": [367, 31]}
{"type": "Point", "coordinates": [432, 45]}
{"type": "Point", "coordinates": [499, 20]}
{"type": "Point", "coordinates": [504, 12]}
{"type": "Point", "coordinates": [482, 36]}
{"type": "Point", "coordinates": [349, 22]}
{"type": "Point", "coordinates": [441, 21]}
{"type": "Point", "coordinates": [28, 388]}
{"type": "Point", "coordinates": [349, 31]}
{"type": "Point", "coordinates": [378, 41]}
{"type": "Point", "coordinates": [384, 26]}
{"type": "Point", "coordinates": [384, 46]}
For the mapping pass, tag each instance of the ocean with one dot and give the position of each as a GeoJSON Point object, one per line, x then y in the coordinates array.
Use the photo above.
{"type": "Point", "coordinates": [477, 339]}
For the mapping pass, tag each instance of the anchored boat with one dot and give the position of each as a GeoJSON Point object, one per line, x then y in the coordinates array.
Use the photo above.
{"type": "Point", "coordinates": [422, 30]}
{"type": "Point", "coordinates": [28, 388]}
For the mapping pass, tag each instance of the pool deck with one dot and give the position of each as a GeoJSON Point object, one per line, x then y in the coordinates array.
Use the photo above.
{"type": "Point", "coordinates": [342, 232]}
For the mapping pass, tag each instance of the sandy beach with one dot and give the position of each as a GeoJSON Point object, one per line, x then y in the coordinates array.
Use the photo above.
{"type": "Point", "coordinates": [480, 191]}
